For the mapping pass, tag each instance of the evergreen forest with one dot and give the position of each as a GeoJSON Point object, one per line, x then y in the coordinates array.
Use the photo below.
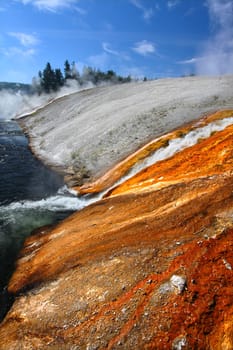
{"type": "Point", "coordinates": [50, 79]}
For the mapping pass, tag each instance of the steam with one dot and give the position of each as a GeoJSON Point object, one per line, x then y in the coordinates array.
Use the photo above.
{"type": "Point", "coordinates": [217, 56]}
{"type": "Point", "coordinates": [16, 104]}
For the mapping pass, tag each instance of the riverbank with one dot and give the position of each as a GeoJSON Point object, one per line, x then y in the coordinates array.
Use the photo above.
{"type": "Point", "coordinates": [85, 134]}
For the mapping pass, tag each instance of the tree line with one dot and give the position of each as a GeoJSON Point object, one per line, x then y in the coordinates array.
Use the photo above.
{"type": "Point", "coordinates": [50, 79]}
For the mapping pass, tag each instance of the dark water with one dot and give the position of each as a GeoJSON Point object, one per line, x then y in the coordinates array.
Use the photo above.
{"type": "Point", "coordinates": [21, 175]}
{"type": "Point", "coordinates": [31, 196]}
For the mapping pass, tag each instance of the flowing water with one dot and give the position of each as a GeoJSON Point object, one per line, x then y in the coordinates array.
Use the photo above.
{"type": "Point", "coordinates": [31, 196]}
{"type": "Point", "coordinates": [176, 145]}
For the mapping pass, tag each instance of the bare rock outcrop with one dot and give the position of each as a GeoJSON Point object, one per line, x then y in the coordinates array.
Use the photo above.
{"type": "Point", "coordinates": [150, 266]}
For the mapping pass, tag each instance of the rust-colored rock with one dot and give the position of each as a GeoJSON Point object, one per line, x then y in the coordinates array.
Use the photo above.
{"type": "Point", "coordinates": [121, 168]}
{"type": "Point", "coordinates": [188, 164]}
{"type": "Point", "coordinates": [149, 267]}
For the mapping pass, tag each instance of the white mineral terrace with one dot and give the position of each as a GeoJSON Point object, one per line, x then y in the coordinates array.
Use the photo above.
{"type": "Point", "coordinates": [99, 127]}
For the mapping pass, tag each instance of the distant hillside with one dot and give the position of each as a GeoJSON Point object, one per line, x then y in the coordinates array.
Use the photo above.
{"type": "Point", "coordinates": [15, 87]}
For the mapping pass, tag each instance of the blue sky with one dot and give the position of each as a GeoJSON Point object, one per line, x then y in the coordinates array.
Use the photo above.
{"type": "Point", "coordinates": [153, 38]}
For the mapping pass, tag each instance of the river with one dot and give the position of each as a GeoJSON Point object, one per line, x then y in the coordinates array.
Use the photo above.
{"type": "Point", "coordinates": [31, 196]}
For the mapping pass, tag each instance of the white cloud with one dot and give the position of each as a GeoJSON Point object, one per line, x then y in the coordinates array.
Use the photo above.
{"type": "Point", "coordinates": [80, 10]}
{"type": "Point", "coordinates": [218, 51]}
{"type": "Point", "coordinates": [119, 54]}
{"type": "Point", "coordinates": [53, 5]}
{"type": "Point", "coordinates": [144, 48]}
{"type": "Point", "coordinates": [192, 60]}
{"type": "Point", "coordinates": [107, 48]}
{"type": "Point", "coordinates": [25, 39]}
{"type": "Point", "coordinates": [16, 51]}
{"type": "Point", "coordinates": [107, 58]}
{"type": "Point", "coordinates": [26, 49]}
{"type": "Point", "coordinates": [220, 12]}
{"type": "Point", "coordinates": [146, 12]}
{"type": "Point", "coordinates": [173, 3]}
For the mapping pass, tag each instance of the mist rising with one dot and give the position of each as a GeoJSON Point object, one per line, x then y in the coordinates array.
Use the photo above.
{"type": "Point", "coordinates": [14, 104]}
{"type": "Point", "coordinates": [217, 54]}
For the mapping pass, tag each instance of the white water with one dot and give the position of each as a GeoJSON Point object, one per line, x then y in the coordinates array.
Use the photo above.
{"type": "Point", "coordinates": [40, 212]}
{"type": "Point", "coordinates": [64, 200]}
{"type": "Point", "coordinates": [53, 203]}
{"type": "Point", "coordinates": [67, 200]}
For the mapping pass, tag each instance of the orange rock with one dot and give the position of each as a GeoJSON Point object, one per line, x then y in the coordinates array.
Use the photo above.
{"type": "Point", "coordinates": [148, 267]}
{"type": "Point", "coordinates": [114, 174]}
{"type": "Point", "coordinates": [209, 157]}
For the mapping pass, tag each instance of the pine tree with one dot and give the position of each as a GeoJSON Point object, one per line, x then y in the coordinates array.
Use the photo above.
{"type": "Point", "coordinates": [51, 80]}
{"type": "Point", "coordinates": [67, 70]}
{"type": "Point", "coordinates": [48, 77]}
{"type": "Point", "coordinates": [59, 77]}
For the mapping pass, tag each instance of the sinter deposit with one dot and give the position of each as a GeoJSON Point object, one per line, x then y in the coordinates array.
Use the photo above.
{"type": "Point", "coordinates": [88, 132]}
{"type": "Point", "coordinates": [149, 266]}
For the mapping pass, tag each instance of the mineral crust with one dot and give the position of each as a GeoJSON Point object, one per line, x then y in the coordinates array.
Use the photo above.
{"type": "Point", "coordinates": [150, 266]}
